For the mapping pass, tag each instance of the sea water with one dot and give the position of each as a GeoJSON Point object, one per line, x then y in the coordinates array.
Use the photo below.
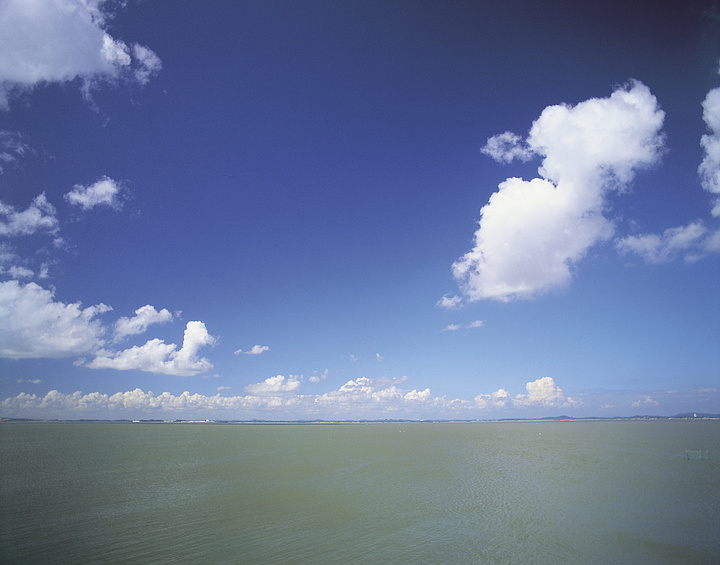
{"type": "Point", "coordinates": [620, 492]}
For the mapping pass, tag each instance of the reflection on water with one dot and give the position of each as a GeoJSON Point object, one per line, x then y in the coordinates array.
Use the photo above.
{"type": "Point", "coordinates": [550, 492]}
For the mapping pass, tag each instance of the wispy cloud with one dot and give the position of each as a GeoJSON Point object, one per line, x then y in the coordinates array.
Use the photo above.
{"type": "Point", "coordinates": [12, 147]}
{"type": "Point", "coordinates": [255, 350]}
{"type": "Point", "coordinates": [531, 233]}
{"type": "Point", "coordinates": [645, 401]}
{"type": "Point", "coordinates": [450, 302]}
{"type": "Point", "coordinates": [508, 146]}
{"type": "Point", "coordinates": [692, 242]}
{"type": "Point", "coordinates": [468, 326]}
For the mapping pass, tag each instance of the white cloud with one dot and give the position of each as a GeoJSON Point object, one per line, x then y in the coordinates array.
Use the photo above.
{"type": "Point", "coordinates": [692, 241]}
{"type": "Point", "coordinates": [358, 398]}
{"type": "Point", "coordinates": [532, 233]}
{"type": "Point", "coordinates": [156, 356]}
{"type": "Point", "coordinates": [30, 381]}
{"type": "Point", "coordinates": [275, 385]}
{"type": "Point", "coordinates": [379, 358]}
{"type": "Point", "coordinates": [363, 393]}
{"type": "Point", "coordinates": [279, 395]}
{"type": "Point", "coordinates": [103, 192]}
{"type": "Point", "coordinates": [544, 392]}
{"type": "Point", "coordinates": [506, 147]}
{"type": "Point", "coordinates": [316, 377]}
{"type": "Point", "coordinates": [46, 41]}
{"type": "Point", "coordinates": [256, 350]}
{"type": "Point", "coordinates": [498, 399]}
{"type": "Point", "coordinates": [468, 326]}
{"type": "Point", "coordinates": [18, 272]}
{"type": "Point", "coordinates": [148, 64]}
{"type": "Point", "coordinates": [450, 302]}
{"type": "Point", "coordinates": [223, 387]}
{"type": "Point", "coordinates": [12, 147]}
{"type": "Point", "coordinates": [39, 216]}
{"type": "Point", "coordinates": [144, 317]}
{"type": "Point", "coordinates": [645, 401]}
{"type": "Point", "coordinates": [710, 167]}
{"type": "Point", "coordinates": [34, 325]}
{"type": "Point", "coordinates": [415, 396]}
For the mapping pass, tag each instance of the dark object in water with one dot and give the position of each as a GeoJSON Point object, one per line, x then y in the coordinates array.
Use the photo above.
{"type": "Point", "coordinates": [699, 455]}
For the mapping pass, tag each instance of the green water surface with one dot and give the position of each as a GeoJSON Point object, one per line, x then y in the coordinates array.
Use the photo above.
{"type": "Point", "coordinates": [495, 493]}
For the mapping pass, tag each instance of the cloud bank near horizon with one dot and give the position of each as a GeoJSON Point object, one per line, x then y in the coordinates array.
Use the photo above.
{"type": "Point", "coordinates": [282, 397]}
{"type": "Point", "coordinates": [282, 394]}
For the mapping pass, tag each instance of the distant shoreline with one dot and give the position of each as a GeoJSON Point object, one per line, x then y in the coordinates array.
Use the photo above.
{"type": "Point", "coordinates": [645, 418]}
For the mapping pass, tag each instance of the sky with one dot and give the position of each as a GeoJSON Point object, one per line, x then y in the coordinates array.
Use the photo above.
{"type": "Point", "coordinates": [288, 210]}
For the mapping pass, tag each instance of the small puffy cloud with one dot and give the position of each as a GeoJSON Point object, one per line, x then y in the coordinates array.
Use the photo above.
{"type": "Point", "coordinates": [33, 325]}
{"type": "Point", "coordinates": [692, 242]}
{"type": "Point", "coordinates": [103, 192]}
{"type": "Point", "coordinates": [416, 396]}
{"type": "Point", "coordinates": [379, 358]}
{"type": "Point", "coordinates": [39, 216]}
{"type": "Point", "coordinates": [710, 167]}
{"type": "Point", "coordinates": [46, 41]}
{"type": "Point", "coordinates": [256, 350]}
{"type": "Point", "coordinates": [532, 233]}
{"type": "Point", "coordinates": [156, 356]}
{"type": "Point", "coordinates": [274, 385]}
{"type": "Point", "coordinates": [452, 327]}
{"type": "Point", "coordinates": [506, 147]}
{"type": "Point", "coordinates": [544, 392]}
{"type": "Point", "coordinates": [144, 317]}
{"type": "Point", "coordinates": [316, 377]}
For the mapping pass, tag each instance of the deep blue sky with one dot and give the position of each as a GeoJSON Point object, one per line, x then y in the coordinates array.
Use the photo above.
{"type": "Point", "coordinates": [302, 176]}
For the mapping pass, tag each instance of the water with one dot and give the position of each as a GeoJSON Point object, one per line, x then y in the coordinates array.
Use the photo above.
{"type": "Point", "coordinates": [495, 493]}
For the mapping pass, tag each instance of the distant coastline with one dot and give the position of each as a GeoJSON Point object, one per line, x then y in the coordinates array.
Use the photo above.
{"type": "Point", "coordinates": [562, 418]}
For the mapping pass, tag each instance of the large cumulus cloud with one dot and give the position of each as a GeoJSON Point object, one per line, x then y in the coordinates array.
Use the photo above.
{"type": "Point", "coordinates": [532, 233]}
